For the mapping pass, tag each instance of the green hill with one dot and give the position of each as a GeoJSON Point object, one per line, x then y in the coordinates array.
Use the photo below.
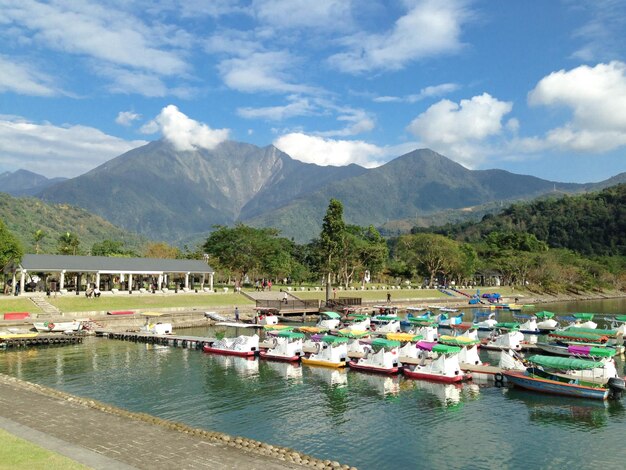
{"type": "Point", "coordinates": [590, 224]}
{"type": "Point", "coordinates": [25, 215]}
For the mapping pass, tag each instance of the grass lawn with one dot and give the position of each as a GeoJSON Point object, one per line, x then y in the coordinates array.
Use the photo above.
{"type": "Point", "coordinates": [16, 304]}
{"type": "Point", "coordinates": [18, 454]}
{"type": "Point", "coordinates": [79, 303]}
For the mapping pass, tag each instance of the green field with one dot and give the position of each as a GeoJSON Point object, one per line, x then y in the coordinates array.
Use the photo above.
{"type": "Point", "coordinates": [16, 304]}
{"type": "Point", "coordinates": [18, 454]}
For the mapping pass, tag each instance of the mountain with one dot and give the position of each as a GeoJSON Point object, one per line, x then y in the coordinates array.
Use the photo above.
{"type": "Point", "coordinates": [178, 196]}
{"type": "Point", "coordinates": [167, 194]}
{"type": "Point", "coordinates": [23, 216]}
{"type": "Point", "coordinates": [418, 184]}
{"type": "Point", "coordinates": [25, 183]}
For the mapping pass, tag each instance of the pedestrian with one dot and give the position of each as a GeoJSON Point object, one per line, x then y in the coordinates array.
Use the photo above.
{"type": "Point", "coordinates": [285, 297]}
{"type": "Point", "coordinates": [236, 314]}
{"type": "Point", "coordinates": [388, 297]}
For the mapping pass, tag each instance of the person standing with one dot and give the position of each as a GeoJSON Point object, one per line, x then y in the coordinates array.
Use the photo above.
{"type": "Point", "coordinates": [388, 297]}
{"type": "Point", "coordinates": [236, 314]}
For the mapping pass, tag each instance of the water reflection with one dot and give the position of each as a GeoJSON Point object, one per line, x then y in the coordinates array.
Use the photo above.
{"type": "Point", "coordinates": [330, 376]}
{"type": "Point", "coordinates": [292, 372]}
{"type": "Point", "coordinates": [242, 366]}
{"type": "Point", "coordinates": [446, 395]}
{"type": "Point", "coordinates": [382, 385]}
{"type": "Point", "coordinates": [567, 412]}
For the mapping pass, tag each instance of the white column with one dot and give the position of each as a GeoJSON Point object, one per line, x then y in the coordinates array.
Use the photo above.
{"type": "Point", "coordinates": [186, 280]}
{"type": "Point", "coordinates": [211, 281]}
{"type": "Point", "coordinates": [160, 282]}
{"type": "Point", "coordinates": [130, 282]}
{"type": "Point", "coordinates": [22, 281]}
{"type": "Point", "coordinates": [62, 280]}
{"type": "Point", "coordinates": [203, 279]}
{"type": "Point", "coordinates": [13, 284]}
{"type": "Point", "coordinates": [98, 280]}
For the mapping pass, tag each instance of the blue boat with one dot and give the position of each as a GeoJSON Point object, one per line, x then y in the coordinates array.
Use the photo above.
{"type": "Point", "coordinates": [540, 380]}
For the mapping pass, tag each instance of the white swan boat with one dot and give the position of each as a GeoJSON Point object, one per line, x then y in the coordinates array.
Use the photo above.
{"type": "Point", "coordinates": [240, 346]}
{"type": "Point", "coordinates": [381, 356]}
{"type": "Point", "coordinates": [286, 346]}
{"type": "Point", "coordinates": [445, 367]}
{"type": "Point", "coordinates": [331, 351]}
{"type": "Point", "coordinates": [156, 328]}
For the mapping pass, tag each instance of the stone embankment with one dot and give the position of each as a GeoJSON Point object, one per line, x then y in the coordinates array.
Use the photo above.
{"type": "Point", "coordinates": [102, 436]}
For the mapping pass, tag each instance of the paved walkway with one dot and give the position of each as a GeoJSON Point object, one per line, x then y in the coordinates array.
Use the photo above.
{"type": "Point", "coordinates": [104, 437]}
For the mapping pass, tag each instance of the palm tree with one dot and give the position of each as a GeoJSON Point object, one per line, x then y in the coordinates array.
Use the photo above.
{"type": "Point", "coordinates": [37, 237]}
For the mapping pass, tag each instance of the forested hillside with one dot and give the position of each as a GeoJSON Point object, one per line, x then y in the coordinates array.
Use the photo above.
{"type": "Point", "coordinates": [593, 224]}
{"type": "Point", "coordinates": [24, 216]}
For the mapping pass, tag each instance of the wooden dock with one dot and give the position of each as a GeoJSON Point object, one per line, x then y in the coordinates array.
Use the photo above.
{"type": "Point", "coordinates": [42, 339]}
{"type": "Point", "coordinates": [181, 341]}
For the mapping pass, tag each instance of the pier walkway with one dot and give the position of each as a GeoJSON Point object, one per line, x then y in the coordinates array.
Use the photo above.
{"type": "Point", "coordinates": [104, 437]}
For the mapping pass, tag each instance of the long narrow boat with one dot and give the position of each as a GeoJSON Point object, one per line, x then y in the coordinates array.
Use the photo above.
{"type": "Point", "coordinates": [49, 326]}
{"type": "Point", "coordinates": [242, 346]}
{"type": "Point", "coordinates": [541, 380]}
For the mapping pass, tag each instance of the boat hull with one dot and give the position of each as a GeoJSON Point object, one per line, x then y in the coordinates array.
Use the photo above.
{"type": "Point", "coordinates": [278, 357]}
{"type": "Point", "coordinates": [435, 377]}
{"type": "Point", "coordinates": [520, 379]}
{"type": "Point", "coordinates": [317, 362]}
{"type": "Point", "coordinates": [378, 370]}
{"type": "Point", "coordinates": [227, 352]}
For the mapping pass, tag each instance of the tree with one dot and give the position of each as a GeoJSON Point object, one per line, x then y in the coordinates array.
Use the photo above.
{"type": "Point", "coordinates": [243, 250]}
{"type": "Point", "coordinates": [10, 248]}
{"type": "Point", "coordinates": [161, 250]}
{"type": "Point", "coordinates": [332, 240]}
{"type": "Point", "coordinates": [364, 250]}
{"type": "Point", "coordinates": [37, 237]}
{"type": "Point", "coordinates": [110, 248]}
{"type": "Point", "coordinates": [68, 243]}
{"type": "Point", "coordinates": [432, 255]}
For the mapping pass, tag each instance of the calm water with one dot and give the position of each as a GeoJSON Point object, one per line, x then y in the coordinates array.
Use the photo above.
{"type": "Point", "coordinates": [369, 421]}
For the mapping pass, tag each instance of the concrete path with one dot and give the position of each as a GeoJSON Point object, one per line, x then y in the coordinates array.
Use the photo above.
{"type": "Point", "coordinates": [104, 437]}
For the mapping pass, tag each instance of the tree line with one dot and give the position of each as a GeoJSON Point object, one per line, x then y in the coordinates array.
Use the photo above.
{"type": "Point", "coordinates": [518, 247]}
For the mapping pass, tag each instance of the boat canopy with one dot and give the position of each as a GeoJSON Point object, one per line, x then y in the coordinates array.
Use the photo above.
{"type": "Point", "coordinates": [290, 334]}
{"type": "Point", "coordinates": [508, 325]}
{"type": "Point", "coordinates": [353, 333]}
{"type": "Point", "coordinates": [312, 329]}
{"type": "Point", "coordinates": [458, 340]}
{"type": "Point", "coordinates": [581, 350]}
{"type": "Point", "coordinates": [334, 339]}
{"type": "Point", "coordinates": [564, 363]}
{"type": "Point", "coordinates": [333, 315]}
{"type": "Point", "coordinates": [405, 337]}
{"type": "Point", "coordinates": [593, 331]}
{"type": "Point", "coordinates": [620, 318]}
{"type": "Point", "coordinates": [277, 327]}
{"type": "Point", "coordinates": [358, 317]}
{"type": "Point", "coordinates": [380, 343]}
{"type": "Point", "coordinates": [544, 315]}
{"type": "Point", "coordinates": [446, 349]}
{"type": "Point", "coordinates": [386, 318]}
{"type": "Point", "coordinates": [574, 335]}
{"type": "Point", "coordinates": [583, 316]}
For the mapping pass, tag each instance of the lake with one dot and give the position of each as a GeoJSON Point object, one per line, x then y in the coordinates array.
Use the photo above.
{"type": "Point", "coordinates": [369, 421]}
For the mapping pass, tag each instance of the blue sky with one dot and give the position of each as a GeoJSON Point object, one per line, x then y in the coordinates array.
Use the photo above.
{"type": "Point", "coordinates": [534, 86]}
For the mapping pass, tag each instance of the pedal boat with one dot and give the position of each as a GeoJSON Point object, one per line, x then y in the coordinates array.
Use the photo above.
{"type": "Point", "coordinates": [242, 346]}
{"type": "Point", "coordinates": [285, 346]}
{"type": "Point", "coordinates": [381, 357]}
{"type": "Point", "coordinates": [331, 351]}
{"type": "Point", "coordinates": [444, 368]}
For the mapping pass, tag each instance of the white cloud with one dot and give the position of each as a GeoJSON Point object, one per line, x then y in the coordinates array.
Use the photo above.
{"type": "Point", "coordinates": [429, 28]}
{"type": "Point", "coordinates": [602, 33]}
{"type": "Point", "coordinates": [56, 150]}
{"type": "Point", "coordinates": [460, 131]}
{"type": "Point", "coordinates": [427, 92]}
{"type": "Point", "coordinates": [185, 133]}
{"type": "Point", "coordinates": [297, 107]}
{"type": "Point", "coordinates": [23, 79]}
{"type": "Point", "coordinates": [295, 14]}
{"type": "Point", "coordinates": [261, 71]}
{"type": "Point", "coordinates": [597, 98]}
{"type": "Point", "coordinates": [126, 118]}
{"type": "Point", "coordinates": [315, 149]}
{"type": "Point", "coordinates": [358, 120]}
{"type": "Point", "coordinates": [105, 34]}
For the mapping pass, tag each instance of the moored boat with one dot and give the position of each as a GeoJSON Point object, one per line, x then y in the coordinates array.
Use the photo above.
{"type": "Point", "coordinates": [546, 321]}
{"type": "Point", "coordinates": [444, 368]}
{"type": "Point", "coordinates": [156, 328]}
{"type": "Point", "coordinates": [542, 380]}
{"type": "Point", "coordinates": [285, 346]}
{"type": "Point", "coordinates": [242, 346]}
{"type": "Point", "coordinates": [381, 356]}
{"type": "Point", "coordinates": [50, 326]}
{"type": "Point", "coordinates": [331, 351]}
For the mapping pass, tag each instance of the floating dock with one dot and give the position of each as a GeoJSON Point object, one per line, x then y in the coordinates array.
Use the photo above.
{"type": "Point", "coordinates": [181, 341]}
{"type": "Point", "coordinates": [42, 339]}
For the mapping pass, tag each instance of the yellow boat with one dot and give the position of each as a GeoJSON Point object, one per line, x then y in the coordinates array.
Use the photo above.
{"type": "Point", "coordinates": [332, 351]}
{"type": "Point", "coordinates": [8, 335]}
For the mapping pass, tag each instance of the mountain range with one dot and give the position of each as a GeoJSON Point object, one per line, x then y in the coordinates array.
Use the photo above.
{"type": "Point", "coordinates": [170, 195]}
{"type": "Point", "coordinates": [25, 183]}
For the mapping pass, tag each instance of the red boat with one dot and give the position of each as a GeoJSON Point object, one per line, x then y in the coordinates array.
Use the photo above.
{"type": "Point", "coordinates": [369, 368]}
{"type": "Point", "coordinates": [435, 377]}
{"type": "Point", "coordinates": [227, 352]}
